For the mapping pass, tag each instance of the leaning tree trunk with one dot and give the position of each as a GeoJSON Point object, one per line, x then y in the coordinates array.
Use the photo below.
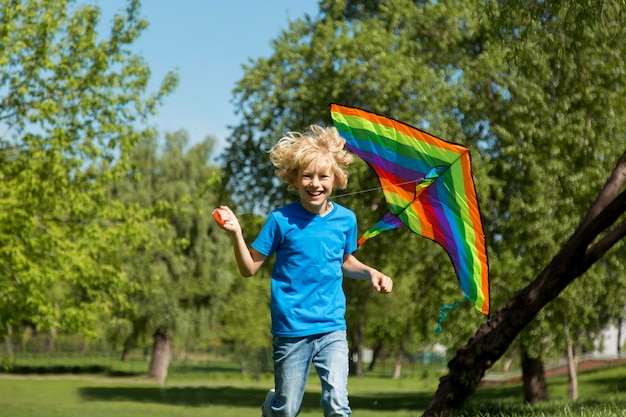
{"type": "Point", "coordinates": [534, 378]}
{"type": "Point", "coordinates": [161, 354]}
{"type": "Point", "coordinates": [493, 338]}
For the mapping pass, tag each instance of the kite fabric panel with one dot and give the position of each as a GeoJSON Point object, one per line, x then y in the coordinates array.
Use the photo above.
{"type": "Point", "coordinates": [428, 186]}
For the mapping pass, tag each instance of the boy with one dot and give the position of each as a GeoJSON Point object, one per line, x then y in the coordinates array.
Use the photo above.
{"type": "Point", "coordinates": [313, 240]}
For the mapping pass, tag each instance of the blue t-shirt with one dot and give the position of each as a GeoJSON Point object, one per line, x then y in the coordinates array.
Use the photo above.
{"type": "Point", "coordinates": [307, 297]}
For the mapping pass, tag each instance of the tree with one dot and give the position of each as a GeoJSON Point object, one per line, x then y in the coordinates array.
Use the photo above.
{"type": "Point", "coordinates": [340, 58]}
{"type": "Point", "coordinates": [533, 91]}
{"type": "Point", "coordinates": [541, 108]}
{"type": "Point", "coordinates": [600, 229]}
{"type": "Point", "coordinates": [180, 274]}
{"type": "Point", "coordinates": [72, 101]}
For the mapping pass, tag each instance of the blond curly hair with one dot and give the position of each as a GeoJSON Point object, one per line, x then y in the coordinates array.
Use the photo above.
{"type": "Point", "coordinates": [296, 150]}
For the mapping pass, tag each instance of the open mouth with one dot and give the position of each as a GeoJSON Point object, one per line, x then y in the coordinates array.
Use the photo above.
{"type": "Point", "coordinates": [315, 193]}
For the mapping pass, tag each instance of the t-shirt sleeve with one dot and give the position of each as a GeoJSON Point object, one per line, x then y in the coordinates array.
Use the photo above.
{"type": "Point", "coordinates": [267, 240]}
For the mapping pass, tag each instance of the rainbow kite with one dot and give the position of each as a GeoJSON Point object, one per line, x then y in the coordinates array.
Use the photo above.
{"type": "Point", "coordinates": [428, 185]}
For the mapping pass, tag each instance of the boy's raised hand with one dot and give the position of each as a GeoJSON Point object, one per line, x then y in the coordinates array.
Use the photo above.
{"type": "Point", "coordinates": [226, 219]}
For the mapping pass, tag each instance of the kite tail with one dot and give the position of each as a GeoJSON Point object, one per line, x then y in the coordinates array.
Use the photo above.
{"type": "Point", "coordinates": [442, 312]}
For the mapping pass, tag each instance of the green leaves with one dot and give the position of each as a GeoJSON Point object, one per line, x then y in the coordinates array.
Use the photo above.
{"type": "Point", "coordinates": [71, 103]}
{"type": "Point", "coordinates": [177, 269]}
{"type": "Point", "coordinates": [535, 92]}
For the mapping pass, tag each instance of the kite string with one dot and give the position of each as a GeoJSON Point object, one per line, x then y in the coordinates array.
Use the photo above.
{"type": "Point", "coordinates": [369, 190]}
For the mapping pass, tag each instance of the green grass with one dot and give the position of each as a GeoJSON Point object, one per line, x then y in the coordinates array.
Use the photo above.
{"type": "Point", "coordinates": [193, 390]}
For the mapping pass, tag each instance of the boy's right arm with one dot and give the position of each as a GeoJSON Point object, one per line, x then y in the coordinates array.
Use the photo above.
{"type": "Point", "coordinates": [249, 261]}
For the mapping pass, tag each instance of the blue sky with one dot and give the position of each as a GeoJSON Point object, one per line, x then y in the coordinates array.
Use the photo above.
{"type": "Point", "coordinates": [206, 42]}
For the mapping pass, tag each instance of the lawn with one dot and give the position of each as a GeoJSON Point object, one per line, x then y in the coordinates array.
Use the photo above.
{"type": "Point", "coordinates": [194, 391]}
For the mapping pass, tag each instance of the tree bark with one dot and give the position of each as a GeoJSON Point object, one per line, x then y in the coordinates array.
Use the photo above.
{"type": "Point", "coordinates": [378, 349]}
{"type": "Point", "coordinates": [8, 342]}
{"type": "Point", "coordinates": [534, 378]}
{"type": "Point", "coordinates": [52, 337]}
{"type": "Point", "coordinates": [161, 354]}
{"type": "Point", "coordinates": [572, 372]}
{"type": "Point", "coordinates": [493, 338]}
{"type": "Point", "coordinates": [620, 323]}
{"type": "Point", "coordinates": [356, 352]}
{"type": "Point", "coordinates": [358, 337]}
{"type": "Point", "coordinates": [397, 368]}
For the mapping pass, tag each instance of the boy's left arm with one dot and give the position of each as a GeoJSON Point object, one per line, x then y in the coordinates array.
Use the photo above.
{"type": "Point", "coordinates": [356, 269]}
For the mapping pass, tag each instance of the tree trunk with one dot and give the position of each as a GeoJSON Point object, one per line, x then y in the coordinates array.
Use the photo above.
{"type": "Point", "coordinates": [51, 345]}
{"type": "Point", "coordinates": [493, 338]}
{"type": "Point", "coordinates": [161, 354]}
{"type": "Point", "coordinates": [507, 365]}
{"type": "Point", "coordinates": [378, 349]}
{"type": "Point", "coordinates": [397, 368]}
{"type": "Point", "coordinates": [8, 342]}
{"type": "Point", "coordinates": [534, 378]}
{"type": "Point", "coordinates": [620, 323]}
{"type": "Point", "coordinates": [358, 335]}
{"type": "Point", "coordinates": [572, 373]}
{"type": "Point", "coordinates": [357, 350]}
{"type": "Point", "coordinates": [129, 344]}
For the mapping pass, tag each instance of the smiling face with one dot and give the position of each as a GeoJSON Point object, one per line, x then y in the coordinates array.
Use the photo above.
{"type": "Point", "coordinates": [315, 185]}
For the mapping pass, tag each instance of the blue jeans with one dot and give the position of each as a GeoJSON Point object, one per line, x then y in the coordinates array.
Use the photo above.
{"type": "Point", "coordinates": [292, 361]}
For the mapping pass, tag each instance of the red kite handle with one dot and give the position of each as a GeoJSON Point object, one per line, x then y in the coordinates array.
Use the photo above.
{"type": "Point", "coordinates": [218, 218]}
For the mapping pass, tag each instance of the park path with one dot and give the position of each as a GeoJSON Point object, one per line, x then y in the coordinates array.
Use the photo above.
{"type": "Point", "coordinates": [560, 369]}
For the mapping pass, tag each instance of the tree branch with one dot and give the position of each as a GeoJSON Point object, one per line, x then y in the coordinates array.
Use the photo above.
{"type": "Point", "coordinates": [610, 190]}
{"type": "Point", "coordinates": [493, 338]}
{"type": "Point", "coordinates": [598, 250]}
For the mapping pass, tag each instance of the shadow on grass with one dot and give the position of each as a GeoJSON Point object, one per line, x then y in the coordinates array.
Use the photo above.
{"type": "Point", "coordinates": [507, 392]}
{"type": "Point", "coordinates": [63, 369]}
{"type": "Point", "coordinates": [243, 397]}
{"type": "Point", "coordinates": [604, 396]}
{"type": "Point", "coordinates": [175, 368]}
{"type": "Point", "coordinates": [601, 380]}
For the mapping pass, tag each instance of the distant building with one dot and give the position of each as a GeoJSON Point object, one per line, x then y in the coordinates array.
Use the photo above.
{"type": "Point", "coordinates": [609, 346]}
